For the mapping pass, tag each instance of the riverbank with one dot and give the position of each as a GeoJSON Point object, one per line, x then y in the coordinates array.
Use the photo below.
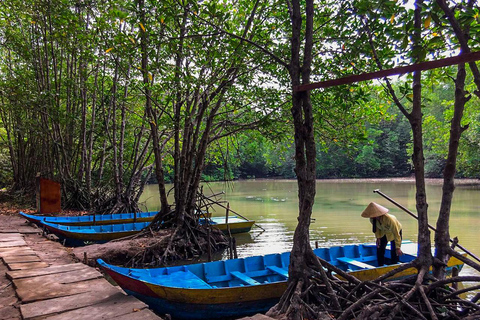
{"type": "Point", "coordinates": [411, 179]}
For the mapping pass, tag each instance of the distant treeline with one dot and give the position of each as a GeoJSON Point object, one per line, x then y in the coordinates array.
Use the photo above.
{"type": "Point", "coordinates": [384, 150]}
{"type": "Point", "coordinates": [382, 154]}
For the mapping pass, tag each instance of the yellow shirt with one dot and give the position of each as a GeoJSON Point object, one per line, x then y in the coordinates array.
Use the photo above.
{"type": "Point", "coordinates": [388, 225]}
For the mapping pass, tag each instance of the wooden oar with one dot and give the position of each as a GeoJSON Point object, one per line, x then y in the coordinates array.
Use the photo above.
{"type": "Point", "coordinates": [416, 217]}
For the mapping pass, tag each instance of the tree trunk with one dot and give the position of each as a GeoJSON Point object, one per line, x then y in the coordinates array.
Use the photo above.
{"type": "Point", "coordinates": [157, 148]}
{"type": "Point", "coordinates": [416, 118]}
{"type": "Point", "coordinates": [305, 153]}
{"type": "Point", "coordinates": [304, 139]}
{"type": "Point", "coordinates": [442, 235]}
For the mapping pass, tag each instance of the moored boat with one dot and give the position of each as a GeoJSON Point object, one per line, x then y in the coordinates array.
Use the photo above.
{"type": "Point", "coordinates": [75, 235]}
{"type": "Point", "coordinates": [244, 286]}
{"type": "Point", "coordinates": [79, 235]}
{"type": "Point", "coordinates": [235, 223]}
{"type": "Point", "coordinates": [92, 219]}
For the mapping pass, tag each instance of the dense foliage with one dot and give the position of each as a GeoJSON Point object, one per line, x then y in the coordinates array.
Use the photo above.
{"type": "Point", "coordinates": [88, 89]}
{"type": "Point", "coordinates": [105, 96]}
{"type": "Point", "coordinates": [382, 150]}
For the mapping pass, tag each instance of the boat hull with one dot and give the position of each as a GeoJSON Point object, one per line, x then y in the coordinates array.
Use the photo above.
{"type": "Point", "coordinates": [372, 274]}
{"type": "Point", "coordinates": [217, 303]}
{"type": "Point", "coordinates": [79, 230]}
{"type": "Point", "coordinates": [32, 218]}
{"type": "Point", "coordinates": [81, 235]}
{"type": "Point", "coordinates": [235, 224]}
{"type": "Point", "coordinates": [90, 220]}
{"type": "Point", "coordinates": [196, 296]}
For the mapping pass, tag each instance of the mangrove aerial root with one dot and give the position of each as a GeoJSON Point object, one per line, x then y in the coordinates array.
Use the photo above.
{"type": "Point", "coordinates": [416, 297]}
{"type": "Point", "coordinates": [187, 238]}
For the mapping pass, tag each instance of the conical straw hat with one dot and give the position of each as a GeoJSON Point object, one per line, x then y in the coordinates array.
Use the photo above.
{"type": "Point", "coordinates": [374, 210]}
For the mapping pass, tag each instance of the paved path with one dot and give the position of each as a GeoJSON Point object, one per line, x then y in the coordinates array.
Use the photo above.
{"type": "Point", "coordinates": [50, 285]}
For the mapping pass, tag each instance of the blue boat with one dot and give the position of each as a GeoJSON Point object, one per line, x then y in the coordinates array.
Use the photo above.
{"type": "Point", "coordinates": [77, 235]}
{"type": "Point", "coordinates": [234, 223]}
{"type": "Point", "coordinates": [245, 286]}
{"type": "Point", "coordinates": [96, 219]}
{"type": "Point", "coordinates": [80, 235]}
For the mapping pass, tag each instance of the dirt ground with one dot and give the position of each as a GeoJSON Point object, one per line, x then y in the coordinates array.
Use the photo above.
{"type": "Point", "coordinates": [120, 252]}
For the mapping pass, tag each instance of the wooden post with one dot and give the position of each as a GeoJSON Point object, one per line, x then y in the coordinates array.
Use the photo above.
{"type": "Point", "coordinates": [209, 249]}
{"type": "Point", "coordinates": [235, 256]}
{"type": "Point", "coordinates": [227, 211]}
{"type": "Point", "coordinates": [230, 242]}
{"type": "Point", "coordinates": [455, 274]}
{"type": "Point", "coordinates": [238, 214]}
{"type": "Point", "coordinates": [427, 65]}
{"type": "Point", "coordinates": [316, 244]}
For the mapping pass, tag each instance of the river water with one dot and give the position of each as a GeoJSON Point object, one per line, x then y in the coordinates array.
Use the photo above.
{"type": "Point", "coordinates": [273, 204]}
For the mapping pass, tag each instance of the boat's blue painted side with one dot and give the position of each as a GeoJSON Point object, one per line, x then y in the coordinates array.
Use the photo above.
{"type": "Point", "coordinates": [77, 230]}
{"type": "Point", "coordinates": [244, 286]}
{"type": "Point", "coordinates": [97, 219]}
{"type": "Point", "coordinates": [105, 228]}
{"type": "Point", "coordinates": [32, 218]}
{"type": "Point", "coordinates": [78, 235]}
{"type": "Point", "coordinates": [236, 224]}
{"type": "Point", "coordinates": [205, 311]}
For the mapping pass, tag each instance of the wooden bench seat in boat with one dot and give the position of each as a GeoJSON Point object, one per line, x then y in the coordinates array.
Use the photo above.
{"type": "Point", "coordinates": [367, 258]}
{"type": "Point", "coordinates": [279, 271]}
{"type": "Point", "coordinates": [244, 278]}
{"type": "Point", "coordinates": [182, 278]}
{"type": "Point", "coordinates": [355, 263]}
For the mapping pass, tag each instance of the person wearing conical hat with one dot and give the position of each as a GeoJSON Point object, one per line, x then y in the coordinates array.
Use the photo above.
{"type": "Point", "coordinates": [386, 228]}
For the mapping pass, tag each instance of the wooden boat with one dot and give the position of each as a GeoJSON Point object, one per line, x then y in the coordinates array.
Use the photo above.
{"type": "Point", "coordinates": [80, 235]}
{"type": "Point", "coordinates": [241, 287]}
{"type": "Point", "coordinates": [75, 235]}
{"type": "Point", "coordinates": [236, 224]}
{"type": "Point", "coordinates": [97, 219]}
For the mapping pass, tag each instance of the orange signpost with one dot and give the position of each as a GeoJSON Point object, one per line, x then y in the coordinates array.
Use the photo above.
{"type": "Point", "coordinates": [48, 196]}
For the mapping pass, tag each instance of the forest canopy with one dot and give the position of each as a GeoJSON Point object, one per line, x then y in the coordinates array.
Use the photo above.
{"type": "Point", "coordinates": [84, 85]}
{"type": "Point", "coordinates": [106, 96]}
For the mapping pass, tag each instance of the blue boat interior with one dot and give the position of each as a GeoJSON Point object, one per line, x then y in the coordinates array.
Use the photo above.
{"type": "Point", "coordinates": [101, 217]}
{"type": "Point", "coordinates": [253, 270]}
{"type": "Point", "coordinates": [102, 228]}
{"type": "Point", "coordinates": [90, 218]}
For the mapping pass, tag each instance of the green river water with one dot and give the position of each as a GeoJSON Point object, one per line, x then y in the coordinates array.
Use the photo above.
{"type": "Point", "coordinates": [273, 204]}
